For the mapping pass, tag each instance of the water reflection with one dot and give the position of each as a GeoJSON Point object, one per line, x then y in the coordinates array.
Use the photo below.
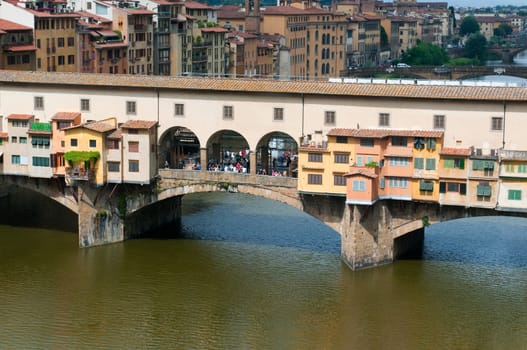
{"type": "Point", "coordinates": [263, 286]}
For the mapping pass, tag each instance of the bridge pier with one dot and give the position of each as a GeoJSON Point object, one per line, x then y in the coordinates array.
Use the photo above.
{"type": "Point", "coordinates": [118, 212]}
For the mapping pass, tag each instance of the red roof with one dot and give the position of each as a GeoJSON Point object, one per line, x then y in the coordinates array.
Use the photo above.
{"type": "Point", "coordinates": [20, 116]}
{"type": "Point", "coordinates": [196, 5]}
{"type": "Point", "coordinates": [3, 135]}
{"type": "Point", "coordinates": [19, 48]}
{"type": "Point", "coordinates": [138, 124]}
{"type": "Point", "coordinates": [361, 172]}
{"type": "Point", "coordinates": [382, 133]}
{"type": "Point", "coordinates": [290, 10]}
{"type": "Point", "coordinates": [8, 25]}
{"type": "Point", "coordinates": [66, 116]}
{"type": "Point", "coordinates": [214, 30]}
{"type": "Point", "coordinates": [455, 151]}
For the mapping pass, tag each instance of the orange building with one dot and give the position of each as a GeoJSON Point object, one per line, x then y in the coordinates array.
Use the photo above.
{"type": "Point", "coordinates": [17, 50]}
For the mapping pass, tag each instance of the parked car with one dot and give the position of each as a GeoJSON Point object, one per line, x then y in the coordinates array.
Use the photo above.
{"type": "Point", "coordinates": [402, 65]}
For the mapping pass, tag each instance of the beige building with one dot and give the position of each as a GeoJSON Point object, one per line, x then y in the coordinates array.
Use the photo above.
{"type": "Point", "coordinates": [17, 155]}
{"type": "Point", "coordinates": [139, 157]}
{"type": "Point", "coordinates": [402, 34]}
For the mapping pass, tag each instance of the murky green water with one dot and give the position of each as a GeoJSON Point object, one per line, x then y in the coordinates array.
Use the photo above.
{"type": "Point", "coordinates": [247, 273]}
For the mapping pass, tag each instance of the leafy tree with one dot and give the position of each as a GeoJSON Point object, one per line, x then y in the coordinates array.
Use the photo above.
{"type": "Point", "coordinates": [503, 30]}
{"type": "Point", "coordinates": [522, 13]}
{"type": "Point", "coordinates": [476, 47]}
{"type": "Point", "coordinates": [425, 54]}
{"type": "Point", "coordinates": [468, 26]}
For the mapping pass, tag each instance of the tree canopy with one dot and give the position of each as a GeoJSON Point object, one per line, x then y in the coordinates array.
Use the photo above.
{"type": "Point", "coordinates": [425, 54]}
{"type": "Point", "coordinates": [468, 26]}
{"type": "Point", "coordinates": [476, 47]}
{"type": "Point", "coordinates": [503, 30]}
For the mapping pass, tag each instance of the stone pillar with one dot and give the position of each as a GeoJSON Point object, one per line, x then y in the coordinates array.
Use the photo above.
{"type": "Point", "coordinates": [203, 159]}
{"type": "Point", "coordinates": [366, 238]}
{"type": "Point", "coordinates": [264, 153]}
{"type": "Point", "coordinates": [97, 225]}
{"type": "Point", "coordinates": [252, 162]}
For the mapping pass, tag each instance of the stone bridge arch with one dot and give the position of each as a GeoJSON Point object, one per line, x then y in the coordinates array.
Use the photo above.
{"type": "Point", "coordinates": [226, 147]}
{"type": "Point", "coordinates": [53, 188]}
{"type": "Point", "coordinates": [179, 147]}
{"type": "Point", "coordinates": [277, 151]}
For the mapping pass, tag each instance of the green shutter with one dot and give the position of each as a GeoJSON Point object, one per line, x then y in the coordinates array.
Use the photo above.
{"type": "Point", "coordinates": [418, 163]}
{"type": "Point", "coordinates": [489, 165]}
{"type": "Point", "coordinates": [462, 163]}
{"type": "Point", "coordinates": [448, 163]}
{"type": "Point", "coordinates": [426, 186]}
{"type": "Point", "coordinates": [430, 164]}
{"type": "Point", "coordinates": [484, 190]}
{"type": "Point", "coordinates": [477, 164]}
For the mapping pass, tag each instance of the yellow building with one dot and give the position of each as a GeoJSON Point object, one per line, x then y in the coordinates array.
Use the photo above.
{"type": "Point", "coordinates": [85, 151]}
{"type": "Point", "coordinates": [425, 181]}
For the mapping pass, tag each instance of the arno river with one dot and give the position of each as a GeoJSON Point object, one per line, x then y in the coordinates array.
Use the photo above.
{"type": "Point", "coordinates": [248, 273]}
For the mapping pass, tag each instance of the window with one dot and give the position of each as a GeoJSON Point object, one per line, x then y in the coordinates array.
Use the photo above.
{"type": "Point", "coordinates": [133, 131]}
{"type": "Point", "coordinates": [15, 159]}
{"type": "Point", "coordinates": [93, 143]}
{"type": "Point", "coordinates": [133, 166]}
{"type": "Point", "coordinates": [278, 114]}
{"type": "Point", "coordinates": [430, 164]}
{"type": "Point", "coordinates": [339, 180]}
{"type": "Point", "coordinates": [73, 142]}
{"type": "Point", "coordinates": [366, 142]}
{"type": "Point", "coordinates": [452, 187]}
{"type": "Point", "coordinates": [398, 182]}
{"type": "Point", "coordinates": [329, 117]}
{"type": "Point", "coordinates": [39, 102]}
{"type": "Point", "coordinates": [399, 141]}
{"type": "Point", "coordinates": [515, 195]}
{"type": "Point", "coordinates": [358, 186]}
{"type": "Point", "coordinates": [342, 139]}
{"type": "Point", "coordinates": [426, 186]}
{"type": "Point", "coordinates": [419, 163]}
{"type": "Point", "coordinates": [398, 161]}
{"type": "Point", "coordinates": [454, 163]}
{"type": "Point", "coordinates": [509, 168]}
{"type": "Point", "coordinates": [131, 107]}
{"type": "Point", "coordinates": [497, 123]}
{"type": "Point", "coordinates": [13, 139]}
{"type": "Point", "coordinates": [179, 109]}
{"type": "Point", "coordinates": [522, 168]}
{"type": "Point", "coordinates": [314, 179]}
{"type": "Point", "coordinates": [40, 141]}
{"type": "Point", "coordinates": [71, 41]}
{"type": "Point", "coordinates": [71, 59]}
{"type": "Point", "coordinates": [60, 42]}
{"type": "Point", "coordinates": [384, 119]}
{"type": "Point", "coordinates": [133, 146]}
{"type": "Point", "coordinates": [439, 121]}
{"type": "Point", "coordinates": [41, 161]}
{"type": "Point", "coordinates": [314, 157]}
{"type": "Point", "coordinates": [113, 167]}
{"type": "Point", "coordinates": [20, 123]}
{"type": "Point", "coordinates": [359, 161]}
{"type": "Point", "coordinates": [60, 60]}
{"type": "Point", "coordinates": [85, 104]}
{"type": "Point", "coordinates": [228, 112]}
{"type": "Point", "coordinates": [23, 139]}
{"type": "Point", "coordinates": [342, 158]}
{"type": "Point", "coordinates": [112, 144]}
{"type": "Point", "coordinates": [484, 190]}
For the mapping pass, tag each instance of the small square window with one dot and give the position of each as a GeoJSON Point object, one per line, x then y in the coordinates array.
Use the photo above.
{"type": "Point", "coordinates": [278, 114]}
{"type": "Point", "coordinates": [39, 102]}
{"type": "Point", "coordinates": [133, 146]}
{"type": "Point", "coordinates": [133, 166]}
{"type": "Point", "coordinates": [179, 109]}
{"type": "Point", "coordinates": [228, 112]}
{"type": "Point", "coordinates": [85, 104]}
{"type": "Point", "coordinates": [439, 121]}
{"type": "Point", "coordinates": [384, 119]}
{"type": "Point", "coordinates": [131, 107]}
{"type": "Point", "coordinates": [329, 118]}
{"type": "Point", "coordinates": [73, 142]}
{"type": "Point", "coordinates": [93, 143]}
{"type": "Point", "coordinates": [497, 123]}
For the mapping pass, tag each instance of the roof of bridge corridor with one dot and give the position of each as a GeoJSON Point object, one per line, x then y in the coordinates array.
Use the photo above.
{"type": "Point", "coordinates": [295, 87]}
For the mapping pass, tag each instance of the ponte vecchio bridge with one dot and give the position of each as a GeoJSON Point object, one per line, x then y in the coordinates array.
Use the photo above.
{"type": "Point", "coordinates": [253, 111]}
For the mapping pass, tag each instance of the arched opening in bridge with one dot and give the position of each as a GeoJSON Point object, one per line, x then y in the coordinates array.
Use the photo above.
{"type": "Point", "coordinates": [276, 153]}
{"type": "Point", "coordinates": [227, 150]}
{"type": "Point", "coordinates": [27, 208]}
{"type": "Point", "coordinates": [179, 148]}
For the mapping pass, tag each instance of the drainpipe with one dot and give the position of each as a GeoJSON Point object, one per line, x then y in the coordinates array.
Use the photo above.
{"type": "Point", "coordinates": [302, 116]}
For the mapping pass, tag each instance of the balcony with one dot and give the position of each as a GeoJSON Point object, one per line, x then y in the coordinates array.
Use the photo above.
{"type": "Point", "coordinates": [79, 174]}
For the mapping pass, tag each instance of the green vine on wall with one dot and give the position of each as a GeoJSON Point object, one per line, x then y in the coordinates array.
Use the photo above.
{"type": "Point", "coordinates": [81, 156]}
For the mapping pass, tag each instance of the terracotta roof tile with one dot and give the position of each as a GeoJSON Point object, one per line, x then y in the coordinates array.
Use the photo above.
{"type": "Point", "coordinates": [20, 48]}
{"type": "Point", "coordinates": [279, 87]}
{"type": "Point", "coordinates": [138, 124]}
{"type": "Point", "coordinates": [214, 30]}
{"type": "Point", "coordinates": [69, 116]}
{"type": "Point", "coordinates": [3, 135]}
{"type": "Point", "coordinates": [20, 116]}
{"type": "Point", "coordinates": [116, 134]}
{"type": "Point", "coordinates": [455, 151]}
{"type": "Point", "coordinates": [99, 126]}
{"type": "Point", "coordinates": [382, 133]}
{"type": "Point", "coordinates": [12, 26]}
